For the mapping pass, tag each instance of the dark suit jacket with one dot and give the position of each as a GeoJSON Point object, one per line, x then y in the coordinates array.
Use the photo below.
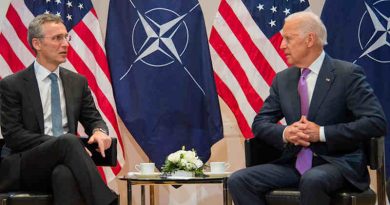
{"type": "Point", "coordinates": [22, 123]}
{"type": "Point", "coordinates": [343, 102]}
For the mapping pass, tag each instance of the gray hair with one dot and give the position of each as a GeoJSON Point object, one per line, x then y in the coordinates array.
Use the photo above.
{"type": "Point", "coordinates": [35, 27]}
{"type": "Point", "coordinates": [310, 22]}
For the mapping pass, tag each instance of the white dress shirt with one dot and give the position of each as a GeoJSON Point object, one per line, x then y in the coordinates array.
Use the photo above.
{"type": "Point", "coordinates": [44, 85]}
{"type": "Point", "coordinates": [311, 80]}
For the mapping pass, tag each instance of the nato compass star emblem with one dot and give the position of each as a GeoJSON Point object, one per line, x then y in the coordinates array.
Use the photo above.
{"type": "Point", "coordinates": [377, 17]}
{"type": "Point", "coordinates": [159, 42]}
{"type": "Point", "coordinates": [159, 37]}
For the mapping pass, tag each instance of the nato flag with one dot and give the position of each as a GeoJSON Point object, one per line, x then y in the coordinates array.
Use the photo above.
{"type": "Point", "coordinates": [162, 76]}
{"type": "Point", "coordinates": [358, 31]}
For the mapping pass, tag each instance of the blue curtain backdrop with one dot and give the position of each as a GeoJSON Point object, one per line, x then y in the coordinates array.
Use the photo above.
{"type": "Point", "coordinates": [358, 31]}
{"type": "Point", "coordinates": [162, 76]}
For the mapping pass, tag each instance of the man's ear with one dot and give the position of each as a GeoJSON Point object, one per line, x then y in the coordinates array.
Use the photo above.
{"type": "Point", "coordinates": [36, 44]}
{"type": "Point", "coordinates": [310, 40]}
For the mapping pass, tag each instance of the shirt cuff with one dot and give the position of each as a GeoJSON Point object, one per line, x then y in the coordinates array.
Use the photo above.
{"type": "Point", "coordinates": [284, 139]}
{"type": "Point", "coordinates": [322, 134]}
{"type": "Point", "coordinates": [100, 129]}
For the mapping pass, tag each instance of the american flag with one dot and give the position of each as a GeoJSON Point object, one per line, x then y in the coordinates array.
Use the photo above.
{"type": "Point", "coordinates": [86, 55]}
{"type": "Point", "coordinates": [245, 40]}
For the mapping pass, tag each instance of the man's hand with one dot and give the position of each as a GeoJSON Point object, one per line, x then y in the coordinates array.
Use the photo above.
{"type": "Point", "coordinates": [302, 132]}
{"type": "Point", "coordinates": [103, 141]}
{"type": "Point", "coordinates": [295, 135]}
{"type": "Point", "coordinates": [311, 129]}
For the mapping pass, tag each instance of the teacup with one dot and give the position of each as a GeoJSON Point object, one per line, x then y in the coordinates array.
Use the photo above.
{"type": "Point", "coordinates": [145, 168]}
{"type": "Point", "coordinates": [219, 167]}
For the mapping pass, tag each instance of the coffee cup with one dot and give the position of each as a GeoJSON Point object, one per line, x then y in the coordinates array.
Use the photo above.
{"type": "Point", "coordinates": [145, 168]}
{"type": "Point", "coordinates": [219, 167]}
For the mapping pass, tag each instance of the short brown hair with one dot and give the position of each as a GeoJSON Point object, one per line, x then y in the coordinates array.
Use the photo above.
{"type": "Point", "coordinates": [35, 27]}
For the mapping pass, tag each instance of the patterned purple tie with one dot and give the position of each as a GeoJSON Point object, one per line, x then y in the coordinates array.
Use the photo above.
{"type": "Point", "coordinates": [305, 156]}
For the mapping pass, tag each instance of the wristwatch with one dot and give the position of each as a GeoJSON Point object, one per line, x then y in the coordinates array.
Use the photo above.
{"type": "Point", "coordinates": [101, 130]}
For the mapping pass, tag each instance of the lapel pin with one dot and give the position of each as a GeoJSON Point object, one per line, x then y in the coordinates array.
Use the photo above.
{"type": "Point", "coordinates": [327, 79]}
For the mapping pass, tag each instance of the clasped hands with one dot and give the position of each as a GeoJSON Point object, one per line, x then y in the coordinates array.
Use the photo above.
{"type": "Point", "coordinates": [103, 141]}
{"type": "Point", "coordinates": [302, 132]}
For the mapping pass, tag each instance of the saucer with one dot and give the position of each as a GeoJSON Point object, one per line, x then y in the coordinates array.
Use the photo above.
{"type": "Point", "coordinates": [144, 176]}
{"type": "Point", "coordinates": [180, 177]}
{"type": "Point", "coordinates": [214, 174]}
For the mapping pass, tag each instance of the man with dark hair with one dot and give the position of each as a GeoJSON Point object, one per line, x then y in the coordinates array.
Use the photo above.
{"type": "Point", "coordinates": [330, 111]}
{"type": "Point", "coordinates": [40, 109]}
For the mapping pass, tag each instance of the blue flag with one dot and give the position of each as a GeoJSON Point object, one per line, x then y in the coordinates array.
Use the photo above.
{"type": "Point", "coordinates": [162, 76]}
{"type": "Point", "coordinates": [358, 31]}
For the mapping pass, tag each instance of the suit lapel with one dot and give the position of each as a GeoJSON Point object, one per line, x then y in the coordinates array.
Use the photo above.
{"type": "Point", "coordinates": [292, 84]}
{"type": "Point", "coordinates": [31, 87]}
{"type": "Point", "coordinates": [67, 85]}
{"type": "Point", "coordinates": [324, 82]}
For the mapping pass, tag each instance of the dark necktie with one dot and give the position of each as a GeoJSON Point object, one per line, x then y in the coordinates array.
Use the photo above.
{"type": "Point", "coordinates": [305, 155]}
{"type": "Point", "coordinates": [56, 115]}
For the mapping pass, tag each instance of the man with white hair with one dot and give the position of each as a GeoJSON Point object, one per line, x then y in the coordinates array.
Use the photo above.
{"type": "Point", "coordinates": [330, 111]}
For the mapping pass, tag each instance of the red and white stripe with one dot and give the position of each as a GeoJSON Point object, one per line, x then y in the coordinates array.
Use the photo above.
{"type": "Point", "coordinates": [86, 56]}
{"type": "Point", "coordinates": [245, 61]}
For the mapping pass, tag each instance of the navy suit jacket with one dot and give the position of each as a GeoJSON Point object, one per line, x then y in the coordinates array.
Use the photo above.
{"type": "Point", "coordinates": [343, 102]}
{"type": "Point", "coordinates": [22, 123]}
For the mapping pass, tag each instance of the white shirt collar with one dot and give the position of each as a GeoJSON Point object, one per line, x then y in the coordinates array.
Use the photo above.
{"type": "Point", "coordinates": [42, 72]}
{"type": "Point", "coordinates": [316, 65]}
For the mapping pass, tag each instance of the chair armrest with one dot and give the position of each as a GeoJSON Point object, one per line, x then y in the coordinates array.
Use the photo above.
{"type": "Point", "coordinates": [111, 157]}
{"type": "Point", "coordinates": [376, 152]}
{"type": "Point", "coordinates": [376, 157]}
{"type": "Point", "coordinates": [258, 152]}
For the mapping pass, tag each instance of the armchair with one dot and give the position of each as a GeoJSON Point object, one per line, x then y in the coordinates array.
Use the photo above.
{"type": "Point", "coordinates": [33, 198]}
{"type": "Point", "coordinates": [257, 152]}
